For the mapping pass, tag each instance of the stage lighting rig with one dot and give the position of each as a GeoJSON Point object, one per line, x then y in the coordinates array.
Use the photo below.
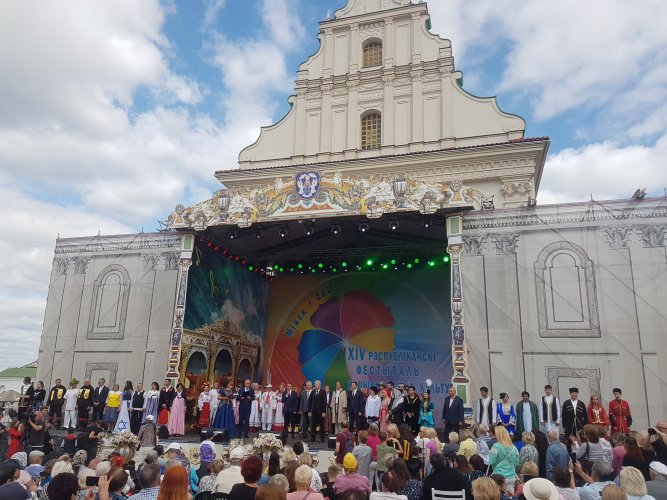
{"type": "Point", "coordinates": [336, 229]}
{"type": "Point", "coordinates": [309, 229]}
{"type": "Point", "coordinates": [284, 231]}
{"type": "Point", "coordinates": [364, 227]}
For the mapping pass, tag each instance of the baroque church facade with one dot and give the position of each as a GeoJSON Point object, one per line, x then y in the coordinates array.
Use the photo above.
{"type": "Point", "coordinates": [568, 294]}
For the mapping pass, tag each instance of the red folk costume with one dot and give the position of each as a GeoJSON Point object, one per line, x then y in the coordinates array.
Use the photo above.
{"type": "Point", "coordinates": [15, 445]}
{"type": "Point", "coordinates": [620, 416]}
{"type": "Point", "coordinates": [597, 415]}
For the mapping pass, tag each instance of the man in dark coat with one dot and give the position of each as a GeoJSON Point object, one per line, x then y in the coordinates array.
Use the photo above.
{"type": "Point", "coordinates": [355, 407]}
{"type": "Point", "coordinates": [84, 403]}
{"type": "Point", "coordinates": [452, 413]}
{"type": "Point", "coordinates": [574, 414]}
{"type": "Point", "coordinates": [317, 407]}
{"type": "Point", "coordinates": [245, 397]}
{"type": "Point", "coordinates": [306, 389]}
{"type": "Point", "coordinates": [290, 402]}
{"type": "Point", "coordinates": [137, 408]}
{"type": "Point", "coordinates": [55, 402]}
{"type": "Point", "coordinates": [100, 400]}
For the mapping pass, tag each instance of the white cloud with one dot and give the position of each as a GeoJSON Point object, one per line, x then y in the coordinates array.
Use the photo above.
{"type": "Point", "coordinates": [564, 55]}
{"type": "Point", "coordinates": [606, 170]}
{"type": "Point", "coordinates": [285, 27]}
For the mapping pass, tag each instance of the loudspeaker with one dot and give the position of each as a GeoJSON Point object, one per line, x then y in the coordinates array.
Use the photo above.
{"type": "Point", "coordinates": [331, 442]}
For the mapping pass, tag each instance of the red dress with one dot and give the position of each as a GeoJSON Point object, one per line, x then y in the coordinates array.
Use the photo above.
{"type": "Point", "coordinates": [14, 442]}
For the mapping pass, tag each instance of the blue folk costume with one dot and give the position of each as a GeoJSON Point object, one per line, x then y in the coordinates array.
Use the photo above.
{"type": "Point", "coordinates": [224, 417]}
{"type": "Point", "coordinates": [506, 416]}
{"type": "Point", "coordinates": [426, 414]}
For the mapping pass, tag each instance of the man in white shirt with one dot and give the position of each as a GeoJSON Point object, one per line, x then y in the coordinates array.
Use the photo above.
{"type": "Point", "coordinates": [549, 410]}
{"type": "Point", "coordinates": [232, 475]}
{"type": "Point", "coordinates": [268, 406]}
{"type": "Point", "coordinates": [71, 397]}
{"type": "Point", "coordinates": [214, 400]}
{"type": "Point", "coordinates": [486, 408]}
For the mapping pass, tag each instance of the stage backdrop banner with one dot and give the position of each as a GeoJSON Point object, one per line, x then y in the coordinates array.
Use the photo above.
{"type": "Point", "coordinates": [367, 327]}
{"type": "Point", "coordinates": [220, 288]}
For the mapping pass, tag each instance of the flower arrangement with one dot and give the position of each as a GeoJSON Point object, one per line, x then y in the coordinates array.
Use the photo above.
{"type": "Point", "coordinates": [125, 439]}
{"type": "Point", "coordinates": [265, 443]}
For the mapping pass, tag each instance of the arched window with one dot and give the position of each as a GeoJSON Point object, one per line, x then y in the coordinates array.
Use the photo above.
{"type": "Point", "coordinates": [110, 300]}
{"type": "Point", "coordinates": [372, 53]}
{"type": "Point", "coordinates": [371, 130]}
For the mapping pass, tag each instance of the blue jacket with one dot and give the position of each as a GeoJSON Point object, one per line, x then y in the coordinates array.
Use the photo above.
{"type": "Point", "coordinates": [453, 414]}
{"type": "Point", "coordinates": [556, 455]}
{"type": "Point", "coordinates": [244, 403]}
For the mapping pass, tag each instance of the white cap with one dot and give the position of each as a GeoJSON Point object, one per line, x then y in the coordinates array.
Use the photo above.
{"type": "Point", "coordinates": [150, 417]}
{"type": "Point", "coordinates": [174, 446]}
{"type": "Point", "coordinates": [659, 468]}
{"type": "Point", "coordinates": [268, 386]}
{"type": "Point", "coordinates": [236, 454]}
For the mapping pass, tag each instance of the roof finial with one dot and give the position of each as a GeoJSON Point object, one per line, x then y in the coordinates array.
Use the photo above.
{"type": "Point", "coordinates": [328, 14]}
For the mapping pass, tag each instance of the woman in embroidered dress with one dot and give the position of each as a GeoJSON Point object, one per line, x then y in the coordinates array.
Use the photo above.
{"type": "Point", "coordinates": [112, 407]}
{"type": "Point", "coordinates": [224, 417]}
{"type": "Point", "coordinates": [426, 412]}
{"type": "Point", "coordinates": [235, 403]}
{"type": "Point", "coordinates": [151, 402]}
{"type": "Point", "coordinates": [177, 421]}
{"type": "Point", "coordinates": [596, 412]}
{"type": "Point", "coordinates": [506, 414]}
{"type": "Point", "coordinates": [279, 419]}
{"type": "Point", "coordinates": [123, 420]}
{"type": "Point", "coordinates": [255, 421]}
{"type": "Point", "coordinates": [204, 405]}
{"type": "Point", "coordinates": [384, 410]}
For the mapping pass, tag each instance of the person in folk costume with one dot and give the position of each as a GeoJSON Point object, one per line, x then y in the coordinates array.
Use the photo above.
{"type": "Point", "coordinates": [596, 412]}
{"type": "Point", "coordinates": [151, 402]}
{"type": "Point", "coordinates": [178, 408]}
{"type": "Point", "coordinates": [486, 408]}
{"type": "Point", "coordinates": [279, 418]}
{"type": "Point", "coordinates": [112, 408]}
{"type": "Point", "coordinates": [224, 417]}
{"type": "Point", "coordinates": [506, 416]}
{"type": "Point", "coordinates": [255, 421]}
{"type": "Point", "coordinates": [167, 395]}
{"type": "Point", "coordinates": [550, 410]}
{"type": "Point", "coordinates": [267, 407]}
{"type": "Point", "coordinates": [411, 409]}
{"type": "Point", "coordinates": [338, 406]}
{"type": "Point", "coordinates": [137, 408]}
{"type": "Point", "coordinates": [123, 423]}
{"type": "Point", "coordinates": [55, 402]}
{"type": "Point", "coordinates": [426, 418]}
{"type": "Point", "coordinates": [384, 410]}
{"type": "Point", "coordinates": [528, 416]}
{"type": "Point", "coordinates": [84, 403]}
{"type": "Point", "coordinates": [213, 391]}
{"type": "Point", "coordinates": [574, 414]}
{"type": "Point", "coordinates": [619, 414]}
{"type": "Point", "coordinates": [204, 405]}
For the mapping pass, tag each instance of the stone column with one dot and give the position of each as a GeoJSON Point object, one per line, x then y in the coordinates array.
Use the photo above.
{"type": "Point", "coordinates": [187, 245]}
{"type": "Point", "coordinates": [327, 118]}
{"type": "Point", "coordinates": [353, 118]}
{"type": "Point", "coordinates": [389, 47]}
{"type": "Point", "coordinates": [388, 126]}
{"type": "Point", "coordinates": [300, 133]}
{"type": "Point", "coordinates": [459, 350]}
{"type": "Point", "coordinates": [417, 105]}
{"type": "Point", "coordinates": [355, 48]}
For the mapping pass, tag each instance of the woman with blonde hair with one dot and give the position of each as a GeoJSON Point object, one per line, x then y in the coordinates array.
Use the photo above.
{"type": "Point", "coordinates": [528, 451]}
{"type": "Point", "coordinates": [316, 482]}
{"type": "Point", "coordinates": [393, 436]}
{"type": "Point", "coordinates": [302, 479]}
{"type": "Point", "coordinates": [433, 436]}
{"type": "Point", "coordinates": [485, 488]}
{"type": "Point", "coordinates": [504, 457]}
{"type": "Point", "coordinates": [633, 484]}
{"type": "Point", "coordinates": [612, 492]}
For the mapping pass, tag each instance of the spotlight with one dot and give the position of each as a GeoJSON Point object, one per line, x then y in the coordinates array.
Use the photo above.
{"type": "Point", "coordinates": [336, 229]}
{"type": "Point", "coordinates": [426, 222]}
{"type": "Point", "coordinates": [259, 234]}
{"type": "Point", "coordinates": [364, 227]}
{"type": "Point", "coordinates": [445, 259]}
{"type": "Point", "coordinates": [309, 230]}
{"type": "Point", "coordinates": [284, 231]}
{"type": "Point", "coordinates": [233, 234]}
{"type": "Point", "coordinates": [393, 225]}
{"type": "Point", "coordinates": [270, 271]}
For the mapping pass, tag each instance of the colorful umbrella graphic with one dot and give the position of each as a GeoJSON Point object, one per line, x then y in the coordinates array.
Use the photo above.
{"type": "Point", "coordinates": [358, 320]}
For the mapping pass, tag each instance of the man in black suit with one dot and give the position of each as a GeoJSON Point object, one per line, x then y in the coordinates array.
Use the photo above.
{"type": "Point", "coordinates": [245, 398]}
{"type": "Point", "coordinates": [574, 414]}
{"type": "Point", "coordinates": [290, 402]}
{"type": "Point", "coordinates": [100, 395]}
{"type": "Point", "coordinates": [355, 407]}
{"type": "Point", "coordinates": [317, 407]}
{"type": "Point", "coordinates": [306, 390]}
{"type": "Point", "coordinates": [452, 413]}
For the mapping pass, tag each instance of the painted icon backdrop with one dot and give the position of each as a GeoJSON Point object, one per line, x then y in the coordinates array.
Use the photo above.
{"type": "Point", "coordinates": [367, 327]}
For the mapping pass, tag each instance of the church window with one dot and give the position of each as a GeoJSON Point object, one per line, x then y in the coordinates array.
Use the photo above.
{"type": "Point", "coordinates": [372, 53]}
{"type": "Point", "coordinates": [109, 305]}
{"type": "Point", "coordinates": [371, 131]}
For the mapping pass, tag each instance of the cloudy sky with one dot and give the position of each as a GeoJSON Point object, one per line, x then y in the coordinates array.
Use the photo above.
{"type": "Point", "coordinates": [112, 112]}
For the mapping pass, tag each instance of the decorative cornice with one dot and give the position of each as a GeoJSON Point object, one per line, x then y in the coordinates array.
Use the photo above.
{"type": "Point", "coordinates": [99, 244]}
{"type": "Point", "coordinates": [616, 237]}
